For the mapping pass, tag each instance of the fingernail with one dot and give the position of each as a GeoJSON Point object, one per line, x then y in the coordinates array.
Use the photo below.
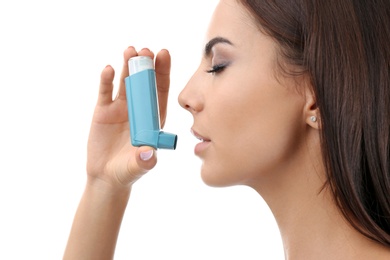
{"type": "Point", "coordinates": [146, 155]}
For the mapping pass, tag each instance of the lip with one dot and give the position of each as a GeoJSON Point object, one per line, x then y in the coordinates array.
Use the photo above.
{"type": "Point", "coordinates": [199, 137]}
{"type": "Point", "coordinates": [200, 147]}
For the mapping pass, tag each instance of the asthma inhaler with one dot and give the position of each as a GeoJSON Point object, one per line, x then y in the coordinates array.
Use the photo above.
{"type": "Point", "coordinates": [142, 105]}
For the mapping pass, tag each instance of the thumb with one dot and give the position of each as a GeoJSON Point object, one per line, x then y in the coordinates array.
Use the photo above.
{"type": "Point", "coordinates": [146, 158]}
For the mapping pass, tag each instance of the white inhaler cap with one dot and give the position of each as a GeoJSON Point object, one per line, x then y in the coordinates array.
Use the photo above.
{"type": "Point", "coordinates": [140, 63]}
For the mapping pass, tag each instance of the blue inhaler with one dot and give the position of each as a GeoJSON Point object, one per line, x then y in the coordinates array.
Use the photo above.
{"type": "Point", "coordinates": [142, 105]}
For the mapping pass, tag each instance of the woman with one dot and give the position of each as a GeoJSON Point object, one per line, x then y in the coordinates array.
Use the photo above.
{"type": "Point", "coordinates": [292, 99]}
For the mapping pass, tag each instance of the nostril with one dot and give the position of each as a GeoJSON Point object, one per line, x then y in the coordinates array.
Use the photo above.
{"type": "Point", "coordinates": [193, 105]}
{"type": "Point", "coordinates": [184, 104]}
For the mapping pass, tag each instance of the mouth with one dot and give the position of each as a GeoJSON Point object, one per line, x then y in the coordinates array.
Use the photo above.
{"type": "Point", "coordinates": [199, 137]}
{"type": "Point", "coordinates": [201, 147]}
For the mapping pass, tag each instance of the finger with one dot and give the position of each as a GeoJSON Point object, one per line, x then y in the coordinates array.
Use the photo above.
{"type": "Point", "coordinates": [146, 157]}
{"type": "Point", "coordinates": [128, 53]}
{"type": "Point", "coordinates": [146, 52]}
{"type": "Point", "coordinates": [106, 85]}
{"type": "Point", "coordinates": [163, 69]}
{"type": "Point", "coordinates": [145, 160]}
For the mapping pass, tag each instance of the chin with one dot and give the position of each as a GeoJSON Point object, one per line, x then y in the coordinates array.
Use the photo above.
{"type": "Point", "coordinates": [217, 177]}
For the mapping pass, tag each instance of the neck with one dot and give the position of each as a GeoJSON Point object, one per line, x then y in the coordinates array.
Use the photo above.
{"type": "Point", "coordinates": [310, 223]}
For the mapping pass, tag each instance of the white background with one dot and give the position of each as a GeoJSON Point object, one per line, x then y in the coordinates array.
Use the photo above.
{"type": "Point", "coordinates": [51, 56]}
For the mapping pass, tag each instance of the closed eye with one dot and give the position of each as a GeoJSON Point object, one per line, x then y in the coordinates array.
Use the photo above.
{"type": "Point", "coordinates": [217, 69]}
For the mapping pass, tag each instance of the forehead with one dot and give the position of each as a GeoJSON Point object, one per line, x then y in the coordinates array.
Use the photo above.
{"type": "Point", "coordinates": [230, 19]}
{"type": "Point", "coordinates": [233, 22]}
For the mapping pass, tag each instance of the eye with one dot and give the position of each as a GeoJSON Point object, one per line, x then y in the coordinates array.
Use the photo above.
{"type": "Point", "coordinates": [217, 68]}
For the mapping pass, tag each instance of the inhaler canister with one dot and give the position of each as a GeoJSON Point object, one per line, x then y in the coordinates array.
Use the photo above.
{"type": "Point", "coordinates": [142, 104]}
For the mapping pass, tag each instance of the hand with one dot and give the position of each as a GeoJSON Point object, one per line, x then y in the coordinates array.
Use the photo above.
{"type": "Point", "coordinates": [111, 157]}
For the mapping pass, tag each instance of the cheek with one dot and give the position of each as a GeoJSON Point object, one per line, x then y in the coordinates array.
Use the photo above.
{"type": "Point", "coordinates": [254, 133]}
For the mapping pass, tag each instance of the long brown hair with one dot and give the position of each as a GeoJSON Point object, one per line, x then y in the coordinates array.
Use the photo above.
{"type": "Point", "coordinates": [344, 47]}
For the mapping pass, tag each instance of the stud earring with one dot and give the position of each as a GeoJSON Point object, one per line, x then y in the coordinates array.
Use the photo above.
{"type": "Point", "coordinates": [313, 119]}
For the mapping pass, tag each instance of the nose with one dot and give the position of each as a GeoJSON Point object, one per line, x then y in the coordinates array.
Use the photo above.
{"type": "Point", "coordinates": [191, 98]}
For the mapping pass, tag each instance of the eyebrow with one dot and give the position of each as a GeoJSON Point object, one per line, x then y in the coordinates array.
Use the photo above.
{"type": "Point", "coordinates": [212, 42]}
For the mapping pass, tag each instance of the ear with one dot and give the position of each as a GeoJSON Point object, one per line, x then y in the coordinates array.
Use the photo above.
{"type": "Point", "coordinates": [311, 112]}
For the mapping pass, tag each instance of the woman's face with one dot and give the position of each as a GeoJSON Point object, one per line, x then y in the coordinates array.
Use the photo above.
{"type": "Point", "coordinates": [248, 117]}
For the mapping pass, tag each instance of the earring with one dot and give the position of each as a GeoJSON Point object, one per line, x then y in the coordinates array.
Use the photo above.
{"type": "Point", "coordinates": [313, 119]}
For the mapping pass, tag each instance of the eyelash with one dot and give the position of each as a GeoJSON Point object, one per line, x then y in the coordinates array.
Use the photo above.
{"type": "Point", "coordinates": [216, 69]}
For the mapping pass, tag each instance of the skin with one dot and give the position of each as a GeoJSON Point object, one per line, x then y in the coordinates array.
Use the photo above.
{"type": "Point", "coordinates": [258, 132]}
{"type": "Point", "coordinates": [253, 119]}
{"type": "Point", "coordinates": [113, 165]}
{"type": "Point", "coordinates": [256, 127]}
